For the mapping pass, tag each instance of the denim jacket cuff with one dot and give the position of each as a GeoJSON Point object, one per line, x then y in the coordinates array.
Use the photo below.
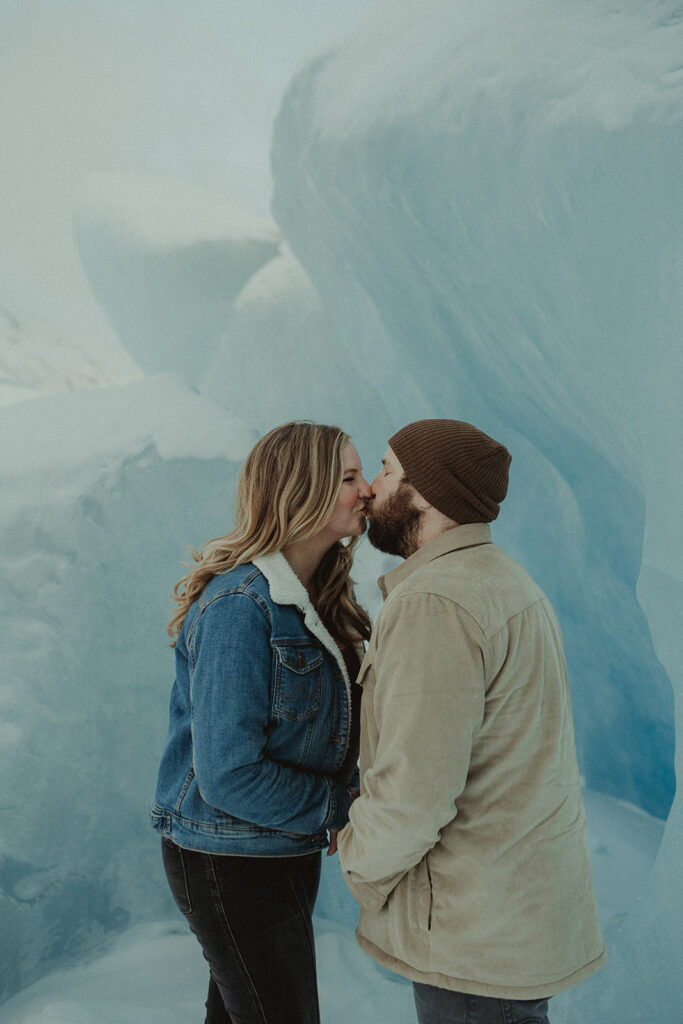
{"type": "Point", "coordinates": [340, 802]}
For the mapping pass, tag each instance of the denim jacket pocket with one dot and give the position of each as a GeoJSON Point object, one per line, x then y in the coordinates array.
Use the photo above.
{"type": "Point", "coordinates": [298, 681]}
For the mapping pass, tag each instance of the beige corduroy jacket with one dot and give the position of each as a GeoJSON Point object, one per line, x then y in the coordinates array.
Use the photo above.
{"type": "Point", "coordinates": [467, 846]}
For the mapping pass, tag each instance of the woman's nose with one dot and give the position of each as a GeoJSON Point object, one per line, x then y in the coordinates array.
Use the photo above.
{"type": "Point", "coordinates": [364, 488]}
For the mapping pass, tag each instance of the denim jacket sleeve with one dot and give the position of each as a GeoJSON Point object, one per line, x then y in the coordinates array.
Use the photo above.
{"type": "Point", "coordinates": [230, 682]}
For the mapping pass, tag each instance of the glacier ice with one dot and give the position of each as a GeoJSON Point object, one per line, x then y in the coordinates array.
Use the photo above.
{"type": "Point", "coordinates": [280, 358]}
{"type": "Point", "coordinates": [493, 206]}
{"type": "Point", "coordinates": [166, 261]}
{"type": "Point", "coordinates": [488, 195]}
{"type": "Point", "coordinates": [484, 215]}
{"type": "Point", "coordinates": [102, 491]}
{"type": "Point", "coordinates": [35, 357]}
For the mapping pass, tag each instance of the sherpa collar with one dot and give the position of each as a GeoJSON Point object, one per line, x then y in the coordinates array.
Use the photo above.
{"type": "Point", "coordinates": [286, 588]}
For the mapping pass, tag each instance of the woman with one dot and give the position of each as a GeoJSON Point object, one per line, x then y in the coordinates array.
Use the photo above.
{"type": "Point", "coordinates": [263, 737]}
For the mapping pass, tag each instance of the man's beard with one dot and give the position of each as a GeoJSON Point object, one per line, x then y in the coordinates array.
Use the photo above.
{"type": "Point", "coordinates": [395, 526]}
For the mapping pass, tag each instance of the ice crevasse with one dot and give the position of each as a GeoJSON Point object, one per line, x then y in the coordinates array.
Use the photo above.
{"type": "Point", "coordinates": [486, 195]}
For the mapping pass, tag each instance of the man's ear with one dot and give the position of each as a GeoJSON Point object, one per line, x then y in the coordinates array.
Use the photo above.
{"type": "Point", "coordinates": [419, 502]}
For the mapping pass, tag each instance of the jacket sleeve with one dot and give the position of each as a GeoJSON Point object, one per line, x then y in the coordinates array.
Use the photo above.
{"type": "Point", "coordinates": [230, 683]}
{"type": "Point", "coordinates": [427, 703]}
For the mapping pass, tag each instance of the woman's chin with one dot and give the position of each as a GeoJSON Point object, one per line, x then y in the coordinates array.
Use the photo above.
{"type": "Point", "coordinates": [358, 530]}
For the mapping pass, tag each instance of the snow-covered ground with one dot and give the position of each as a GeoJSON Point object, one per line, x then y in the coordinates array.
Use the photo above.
{"type": "Point", "coordinates": [154, 972]}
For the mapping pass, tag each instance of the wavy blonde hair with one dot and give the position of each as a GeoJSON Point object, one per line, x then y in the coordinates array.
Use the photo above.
{"type": "Point", "coordinates": [286, 492]}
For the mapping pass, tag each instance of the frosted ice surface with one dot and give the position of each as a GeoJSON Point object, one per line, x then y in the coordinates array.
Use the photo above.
{"type": "Point", "coordinates": [10, 393]}
{"type": "Point", "coordinates": [487, 198]}
{"type": "Point", "coordinates": [170, 214]}
{"type": "Point", "coordinates": [485, 206]}
{"type": "Point", "coordinates": [102, 492]}
{"type": "Point", "coordinates": [166, 261]}
{"type": "Point", "coordinates": [477, 224]}
{"type": "Point", "coordinates": [35, 357]}
{"type": "Point", "coordinates": [70, 441]}
{"type": "Point", "coordinates": [280, 358]}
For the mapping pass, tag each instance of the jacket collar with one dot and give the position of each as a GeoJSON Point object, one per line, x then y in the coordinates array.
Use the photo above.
{"type": "Point", "coordinates": [286, 588]}
{"type": "Point", "coordinates": [468, 535]}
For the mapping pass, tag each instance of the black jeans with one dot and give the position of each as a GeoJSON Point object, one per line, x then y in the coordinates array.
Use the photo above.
{"type": "Point", "coordinates": [441, 1006]}
{"type": "Point", "coordinates": [252, 917]}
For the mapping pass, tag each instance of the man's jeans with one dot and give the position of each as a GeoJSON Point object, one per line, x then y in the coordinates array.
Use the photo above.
{"type": "Point", "coordinates": [252, 916]}
{"type": "Point", "coordinates": [441, 1006]}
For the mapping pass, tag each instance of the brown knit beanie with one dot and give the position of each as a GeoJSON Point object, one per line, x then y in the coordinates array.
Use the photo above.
{"type": "Point", "coordinates": [460, 470]}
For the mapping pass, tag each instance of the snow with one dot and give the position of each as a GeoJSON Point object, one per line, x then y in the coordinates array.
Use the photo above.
{"type": "Point", "coordinates": [168, 214]}
{"type": "Point", "coordinates": [36, 358]}
{"type": "Point", "coordinates": [155, 971]}
{"type": "Point", "coordinates": [166, 261]}
{"type": "Point", "coordinates": [52, 450]}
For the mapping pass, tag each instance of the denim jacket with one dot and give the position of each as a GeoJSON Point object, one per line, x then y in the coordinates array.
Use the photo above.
{"type": "Point", "coordinates": [260, 720]}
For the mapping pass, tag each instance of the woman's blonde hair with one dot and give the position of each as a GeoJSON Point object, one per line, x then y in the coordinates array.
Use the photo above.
{"type": "Point", "coordinates": [286, 492]}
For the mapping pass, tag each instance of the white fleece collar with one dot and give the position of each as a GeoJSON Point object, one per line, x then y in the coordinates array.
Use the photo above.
{"type": "Point", "coordinates": [286, 588]}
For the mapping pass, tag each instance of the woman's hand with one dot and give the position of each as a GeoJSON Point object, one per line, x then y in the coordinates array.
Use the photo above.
{"type": "Point", "coordinates": [332, 848]}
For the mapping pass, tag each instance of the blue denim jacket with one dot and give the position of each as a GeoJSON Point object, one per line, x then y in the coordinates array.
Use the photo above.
{"type": "Point", "coordinates": [260, 720]}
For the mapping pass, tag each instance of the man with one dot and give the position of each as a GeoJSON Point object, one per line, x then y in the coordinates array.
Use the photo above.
{"type": "Point", "coordinates": [466, 848]}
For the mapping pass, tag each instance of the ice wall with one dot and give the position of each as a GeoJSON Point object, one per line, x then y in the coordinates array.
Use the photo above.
{"type": "Point", "coordinates": [195, 285]}
{"type": "Point", "coordinates": [37, 357]}
{"type": "Point", "coordinates": [487, 197]}
{"type": "Point", "coordinates": [103, 490]}
{"type": "Point", "coordinates": [166, 261]}
{"type": "Point", "coordinates": [280, 358]}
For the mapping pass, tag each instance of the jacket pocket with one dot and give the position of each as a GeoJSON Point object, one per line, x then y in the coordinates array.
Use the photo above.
{"type": "Point", "coordinates": [422, 895]}
{"type": "Point", "coordinates": [298, 681]}
{"type": "Point", "coordinates": [176, 873]}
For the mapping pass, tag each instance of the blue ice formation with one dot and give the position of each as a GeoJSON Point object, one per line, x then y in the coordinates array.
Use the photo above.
{"type": "Point", "coordinates": [166, 261]}
{"type": "Point", "coordinates": [487, 199]}
{"type": "Point", "coordinates": [101, 499]}
{"type": "Point", "coordinates": [280, 358]}
{"type": "Point", "coordinates": [486, 196]}
{"type": "Point", "coordinates": [482, 199]}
